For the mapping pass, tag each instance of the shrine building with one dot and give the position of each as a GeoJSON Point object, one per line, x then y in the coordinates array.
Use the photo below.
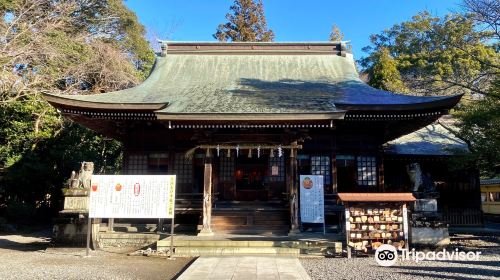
{"type": "Point", "coordinates": [239, 122]}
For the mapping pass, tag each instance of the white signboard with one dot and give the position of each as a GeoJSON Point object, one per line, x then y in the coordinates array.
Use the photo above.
{"type": "Point", "coordinates": [132, 196]}
{"type": "Point", "coordinates": [312, 201]}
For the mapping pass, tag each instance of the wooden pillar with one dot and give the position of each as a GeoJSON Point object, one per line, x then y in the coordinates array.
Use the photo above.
{"type": "Point", "coordinates": [207, 197]}
{"type": "Point", "coordinates": [294, 192]}
{"type": "Point", "coordinates": [381, 183]}
{"type": "Point", "coordinates": [334, 173]}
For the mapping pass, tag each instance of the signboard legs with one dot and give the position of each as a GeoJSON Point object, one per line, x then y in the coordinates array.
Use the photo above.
{"type": "Point", "coordinates": [171, 251]}
{"type": "Point", "coordinates": [111, 224]}
{"type": "Point", "coordinates": [89, 227]}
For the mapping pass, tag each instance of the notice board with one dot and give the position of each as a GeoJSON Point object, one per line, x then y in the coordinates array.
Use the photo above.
{"type": "Point", "coordinates": [312, 200]}
{"type": "Point", "coordinates": [132, 196]}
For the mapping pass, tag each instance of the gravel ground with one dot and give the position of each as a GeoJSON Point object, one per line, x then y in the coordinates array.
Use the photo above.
{"type": "Point", "coordinates": [487, 267]}
{"type": "Point", "coordinates": [31, 257]}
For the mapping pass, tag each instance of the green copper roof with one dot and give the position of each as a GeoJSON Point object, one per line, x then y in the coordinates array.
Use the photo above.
{"type": "Point", "coordinates": [434, 139]}
{"type": "Point", "coordinates": [218, 82]}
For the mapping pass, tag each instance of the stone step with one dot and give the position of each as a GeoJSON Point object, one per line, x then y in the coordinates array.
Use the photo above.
{"type": "Point", "coordinates": [272, 223]}
{"type": "Point", "coordinates": [244, 221]}
{"type": "Point", "coordinates": [236, 213]}
{"type": "Point", "coordinates": [120, 239]}
{"type": "Point", "coordinates": [248, 227]}
{"type": "Point", "coordinates": [146, 228]}
{"type": "Point", "coordinates": [231, 251]}
{"type": "Point", "coordinates": [252, 231]}
{"type": "Point", "coordinates": [198, 247]}
{"type": "Point", "coordinates": [300, 244]}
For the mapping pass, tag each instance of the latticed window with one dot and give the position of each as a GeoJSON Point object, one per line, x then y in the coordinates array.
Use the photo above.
{"type": "Point", "coordinates": [320, 165]}
{"type": "Point", "coordinates": [367, 170]}
{"type": "Point", "coordinates": [157, 163]}
{"type": "Point", "coordinates": [183, 168]}
{"type": "Point", "coordinates": [277, 167]}
{"type": "Point", "coordinates": [226, 167]}
{"type": "Point", "coordinates": [137, 164]}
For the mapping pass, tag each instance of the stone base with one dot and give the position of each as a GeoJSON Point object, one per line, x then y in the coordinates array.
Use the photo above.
{"type": "Point", "coordinates": [294, 232]}
{"type": "Point", "coordinates": [206, 232]}
{"type": "Point", "coordinates": [426, 236]}
{"type": "Point", "coordinates": [70, 231]}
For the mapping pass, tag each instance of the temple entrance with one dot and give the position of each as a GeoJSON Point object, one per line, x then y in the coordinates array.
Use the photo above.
{"type": "Point", "coordinates": [247, 178]}
{"type": "Point", "coordinates": [250, 176]}
{"type": "Point", "coordinates": [251, 195]}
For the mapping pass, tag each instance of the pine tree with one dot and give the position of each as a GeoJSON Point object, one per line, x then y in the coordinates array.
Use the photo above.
{"type": "Point", "coordinates": [336, 35]}
{"type": "Point", "coordinates": [385, 74]}
{"type": "Point", "coordinates": [246, 23]}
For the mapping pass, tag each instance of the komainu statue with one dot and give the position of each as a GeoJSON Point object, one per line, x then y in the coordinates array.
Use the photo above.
{"type": "Point", "coordinates": [81, 180]}
{"type": "Point", "coordinates": [415, 173]}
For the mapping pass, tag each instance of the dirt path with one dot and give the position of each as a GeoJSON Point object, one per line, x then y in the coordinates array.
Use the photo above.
{"type": "Point", "coordinates": [30, 256]}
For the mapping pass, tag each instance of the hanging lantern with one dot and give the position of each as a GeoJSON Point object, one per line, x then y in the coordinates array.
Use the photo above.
{"type": "Point", "coordinates": [249, 153]}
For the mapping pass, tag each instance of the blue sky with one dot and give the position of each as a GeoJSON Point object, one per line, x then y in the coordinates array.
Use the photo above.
{"type": "Point", "coordinates": [292, 20]}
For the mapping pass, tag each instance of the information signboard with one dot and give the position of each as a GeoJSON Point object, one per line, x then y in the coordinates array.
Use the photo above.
{"type": "Point", "coordinates": [312, 201]}
{"type": "Point", "coordinates": [132, 196]}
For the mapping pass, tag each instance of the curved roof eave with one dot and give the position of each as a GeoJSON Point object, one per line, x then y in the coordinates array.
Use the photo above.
{"type": "Point", "coordinates": [65, 102]}
{"type": "Point", "coordinates": [339, 114]}
{"type": "Point", "coordinates": [445, 102]}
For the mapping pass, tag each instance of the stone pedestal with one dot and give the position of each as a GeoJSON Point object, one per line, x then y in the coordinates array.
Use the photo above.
{"type": "Point", "coordinates": [71, 225]}
{"type": "Point", "coordinates": [426, 205]}
{"type": "Point", "coordinates": [428, 229]}
{"type": "Point", "coordinates": [429, 236]}
{"type": "Point", "coordinates": [76, 201]}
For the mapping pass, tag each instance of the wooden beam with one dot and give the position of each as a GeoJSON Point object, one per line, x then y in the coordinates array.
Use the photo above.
{"type": "Point", "coordinates": [250, 146]}
{"type": "Point", "coordinates": [255, 117]}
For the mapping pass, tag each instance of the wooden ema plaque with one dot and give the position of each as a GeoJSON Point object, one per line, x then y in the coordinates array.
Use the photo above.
{"type": "Point", "coordinates": [373, 219]}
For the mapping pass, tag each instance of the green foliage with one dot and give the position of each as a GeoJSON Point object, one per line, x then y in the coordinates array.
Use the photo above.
{"type": "Point", "coordinates": [454, 54]}
{"type": "Point", "coordinates": [480, 126]}
{"type": "Point", "coordinates": [112, 20]}
{"type": "Point", "coordinates": [336, 35]}
{"type": "Point", "coordinates": [23, 125]}
{"type": "Point", "coordinates": [436, 55]}
{"type": "Point", "coordinates": [385, 74]}
{"type": "Point", "coordinates": [79, 47]}
{"type": "Point", "coordinates": [246, 23]}
{"type": "Point", "coordinates": [19, 212]}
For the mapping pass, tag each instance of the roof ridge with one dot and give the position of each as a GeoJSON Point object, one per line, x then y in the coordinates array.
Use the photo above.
{"type": "Point", "coordinates": [341, 48]}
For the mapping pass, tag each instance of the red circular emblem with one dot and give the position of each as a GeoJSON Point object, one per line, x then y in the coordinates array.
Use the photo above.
{"type": "Point", "coordinates": [137, 189]}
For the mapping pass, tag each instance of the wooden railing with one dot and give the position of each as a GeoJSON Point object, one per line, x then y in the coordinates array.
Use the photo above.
{"type": "Point", "coordinates": [463, 216]}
